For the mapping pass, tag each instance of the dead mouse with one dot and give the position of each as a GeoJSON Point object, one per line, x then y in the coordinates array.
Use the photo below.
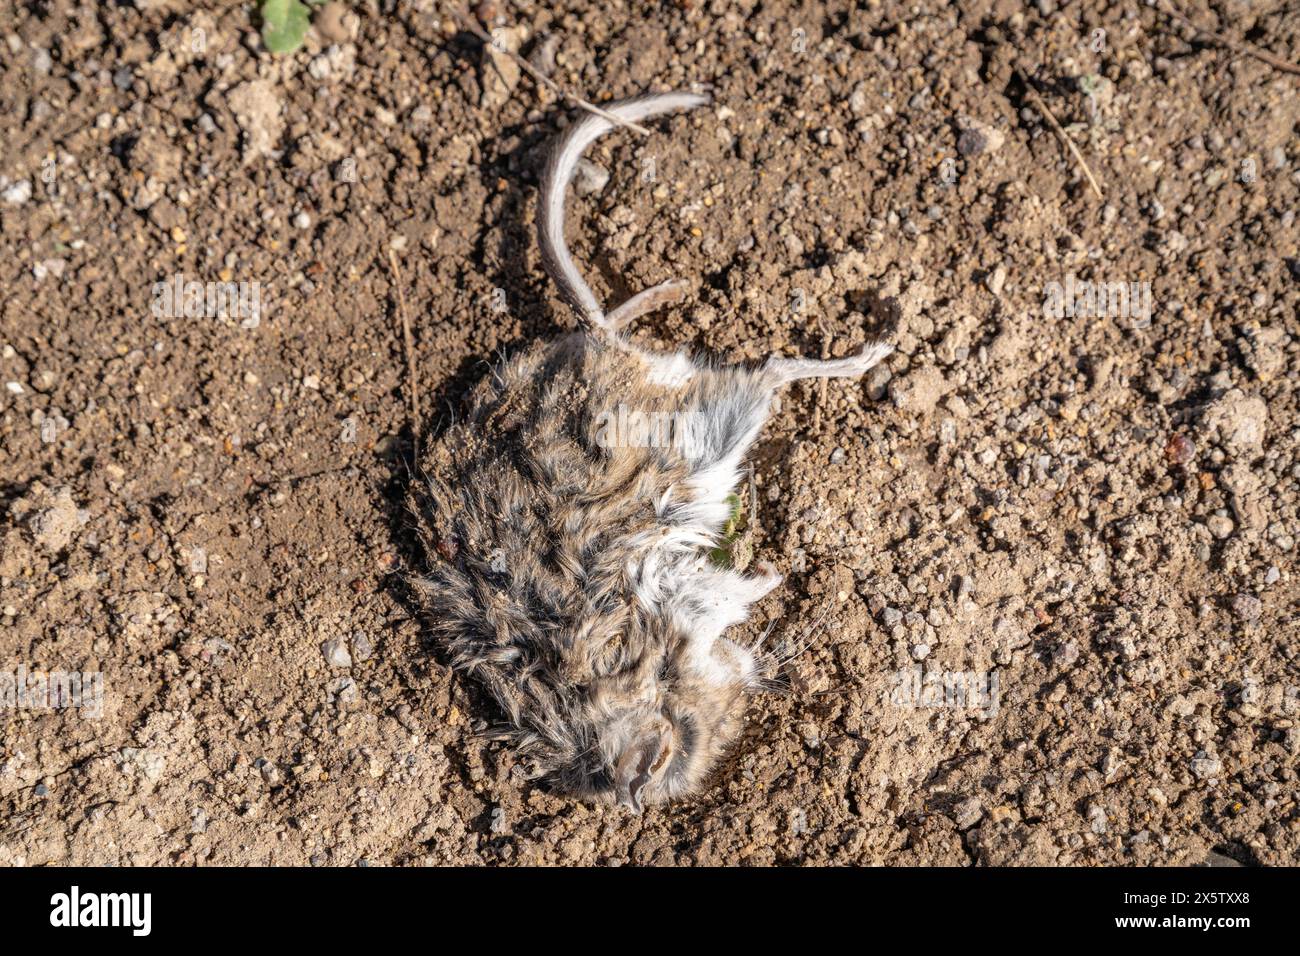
{"type": "Point", "coordinates": [569, 518]}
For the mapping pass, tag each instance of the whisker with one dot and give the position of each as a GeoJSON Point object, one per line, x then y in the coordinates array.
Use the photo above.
{"type": "Point", "coordinates": [757, 646]}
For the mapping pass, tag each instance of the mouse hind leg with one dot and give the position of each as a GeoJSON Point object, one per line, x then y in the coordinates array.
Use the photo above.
{"type": "Point", "coordinates": [724, 412]}
{"type": "Point", "coordinates": [785, 370]}
{"type": "Point", "coordinates": [729, 408]}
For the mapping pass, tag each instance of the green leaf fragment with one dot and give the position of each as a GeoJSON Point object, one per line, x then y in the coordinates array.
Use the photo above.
{"type": "Point", "coordinates": [721, 555]}
{"type": "Point", "coordinates": [284, 24]}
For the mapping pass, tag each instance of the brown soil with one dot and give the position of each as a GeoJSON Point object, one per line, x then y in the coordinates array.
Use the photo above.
{"type": "Point", "coordinates": [1097, 514]}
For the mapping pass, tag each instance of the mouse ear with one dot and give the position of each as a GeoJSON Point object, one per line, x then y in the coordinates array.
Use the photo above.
{"type": "Point", "coordinates": [637, 766]}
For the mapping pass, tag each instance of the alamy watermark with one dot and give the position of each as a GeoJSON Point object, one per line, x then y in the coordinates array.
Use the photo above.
{"type": "Point", "coordinates": [75, 908]}
{"type": "Point", "coordinates": [915, 687]}
{"type": "Point", "coordinates": [21, 689]}
{"type": "Point", "coordinates": [1084, 299]}
{"type": "Point", "coordinates": [633, 428]}
{"type": "Point", "coordinates": [178, 298]}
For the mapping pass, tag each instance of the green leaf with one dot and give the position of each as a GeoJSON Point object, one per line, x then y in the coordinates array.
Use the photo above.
{"type": "Point", "coordinates": [284, 24]}
{"type": "Point", "coordinates": [733, 520]}
{"type": "Point", "coordinates": [721, 555]}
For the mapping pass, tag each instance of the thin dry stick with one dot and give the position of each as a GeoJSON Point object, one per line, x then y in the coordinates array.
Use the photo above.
{"type": "Point", "coordinates": [1235, 45]}
{"type": "Point", "coordinates": [467, 23]}
{"type": "Point", "coordinates": [1064, 136]}
{"type": "Point", "coordinates": [753, 500]}
{"type": "Point", "coordinates": [825, 382]}
{"type": "Point", "coordinates": [412, 391]}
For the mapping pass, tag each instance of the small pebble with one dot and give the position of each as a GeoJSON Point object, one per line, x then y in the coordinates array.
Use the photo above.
{"type": "Point", "coordinates": [967, 813]}
{"type": "Point", "coordinates": [995, 280]}
{"type": "Point", "coordinates": [1220, 526]}
{"type": "Point", "coordinates": [590, 178]}
{"type": "Point", "coordinates": [17, 193]}
{"type": "Point", "coordinates": [332, 23]}
{"type": "Point", "coordinates": [336, 653]}
{"type": "Point", "coordinates": [1066, 654]}
{"type": "Point", "coordinates": [1180, 450]}
{"type": "Point", "coordinates": [1205, 765]}
{"type": "Point", "coordinates": [971, 143]}
{"type": "Point", "coordinates": [1247, 607]}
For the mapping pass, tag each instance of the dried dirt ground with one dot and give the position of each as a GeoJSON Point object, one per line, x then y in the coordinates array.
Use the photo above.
{"type": "Point", "coordinates": [1093, 516]}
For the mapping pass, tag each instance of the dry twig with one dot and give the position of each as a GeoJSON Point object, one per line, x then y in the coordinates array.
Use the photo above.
{"type": "Point", "coordinates": [468, 23]}
{"type": "Point", "coordinates": [1237, 46]}
{"type": "Point", "coordinates": [1060, 132]}
{"type": "Point", "coordinates": [412, 384]}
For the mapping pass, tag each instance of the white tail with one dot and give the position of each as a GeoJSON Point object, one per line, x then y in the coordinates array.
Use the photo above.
{"type": "Point", "coordinates": [560, 168]}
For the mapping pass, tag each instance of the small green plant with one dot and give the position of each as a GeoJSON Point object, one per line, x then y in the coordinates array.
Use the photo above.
{"type": "Point", "coordinates": [724, 555]}
{"type": "Point", "coordinates": [285, 23]}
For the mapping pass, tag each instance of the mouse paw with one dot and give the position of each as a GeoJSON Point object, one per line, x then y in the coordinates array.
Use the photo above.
{"type": "Point", "coordinates": [767, 577]}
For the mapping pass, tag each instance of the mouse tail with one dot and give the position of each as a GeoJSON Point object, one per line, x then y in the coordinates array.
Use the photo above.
{"type": "Point", "coordinates": [561, 166]}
